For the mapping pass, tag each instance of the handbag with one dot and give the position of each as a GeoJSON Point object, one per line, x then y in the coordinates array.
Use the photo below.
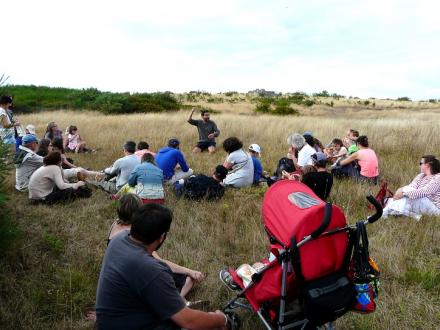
{"type": "Point", "coordinates": [365, 273]}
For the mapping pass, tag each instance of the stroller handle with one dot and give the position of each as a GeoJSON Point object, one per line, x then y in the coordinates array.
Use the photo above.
{"type": "Point", "coordinates": [325, 221]}
{"type": "Point", "coordinates": [377, 206]}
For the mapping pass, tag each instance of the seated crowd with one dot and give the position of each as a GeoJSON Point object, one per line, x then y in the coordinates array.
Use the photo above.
{"type": "Point", "coordinates": [137, 288]}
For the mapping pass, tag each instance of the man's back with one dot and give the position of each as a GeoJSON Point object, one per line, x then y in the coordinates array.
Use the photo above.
{"type": "Point", "coordinates": [320, 182]}
{"type": "Point", "coordinates": [167, 158]}
{"type": "Point", "coordinates": [124, 166]}
{"type": "Point", "coordinates": [135, 291]}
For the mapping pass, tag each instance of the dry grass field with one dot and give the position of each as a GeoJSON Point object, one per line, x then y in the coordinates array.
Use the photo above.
{"type": "Point", "coordinates": [50, 274]}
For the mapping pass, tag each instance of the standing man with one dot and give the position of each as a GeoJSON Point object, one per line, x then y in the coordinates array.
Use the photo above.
{"type": "Point", "coordinates": [208, 131]}
{"type": "Point", "coordinates": [137, 291]}
{"type": "Point", "coordinates": [7, 125]}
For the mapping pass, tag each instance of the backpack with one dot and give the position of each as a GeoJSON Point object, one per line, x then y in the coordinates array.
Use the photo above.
{"type": "Point", "coordinates": [201, 186]}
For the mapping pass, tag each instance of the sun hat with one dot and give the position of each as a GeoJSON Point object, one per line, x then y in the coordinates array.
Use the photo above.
{"type": "Point", "coordinates": [29, 138]}
{"type": "Point", "coordinates": [255, 147]}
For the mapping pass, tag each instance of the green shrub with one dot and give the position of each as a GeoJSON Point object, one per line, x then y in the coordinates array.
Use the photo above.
{"type": "Point", "coordinates": [403, 98]}
{"type": "Point", "coordinates": [263, 105]}
{"type": "Point", "coordinates": [282, 107]}
{"type": "Point", "coordinates": [35, 98]}
{"type": "Point", "coordinates": [8, 230]}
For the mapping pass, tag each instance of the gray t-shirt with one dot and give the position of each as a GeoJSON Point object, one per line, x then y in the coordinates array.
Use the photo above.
{"type": "Point", "coordinates": [122, 168]}
{"type": "Point", "coordinates": [205, 128]}
{"type": "Point", "coordinates": [135, 291]}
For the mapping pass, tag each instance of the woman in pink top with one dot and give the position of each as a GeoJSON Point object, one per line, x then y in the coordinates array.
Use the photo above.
{"type": "Point", "coordinates": [367, 160]}
{"type": "Point", "coordinates": [421, 196]}
{"type": "Point", "coordinates": [143, 148]}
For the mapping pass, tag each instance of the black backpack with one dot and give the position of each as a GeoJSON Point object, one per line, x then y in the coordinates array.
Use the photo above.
{"type": "Point", "coordinates": [201, 186]}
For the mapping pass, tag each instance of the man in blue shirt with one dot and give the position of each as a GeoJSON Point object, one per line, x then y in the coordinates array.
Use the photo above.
{"type": "Point", "coordinates": [254, 151]}
{"type": "Point", "coordinates": [168, 158]}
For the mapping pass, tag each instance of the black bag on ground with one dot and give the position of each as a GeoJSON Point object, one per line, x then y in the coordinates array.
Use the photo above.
{"type": "Point", "coordinates": [202, 187]}
{"type": "Point", "coordinates": [327, 298]}
{"type": "Point", "coordinates": [83, 192]}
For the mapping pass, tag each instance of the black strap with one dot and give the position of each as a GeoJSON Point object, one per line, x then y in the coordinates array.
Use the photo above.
{"type": "Point", "coordinates": [360, 254]}
{"type": "Point", "coordinates": [296, 259]}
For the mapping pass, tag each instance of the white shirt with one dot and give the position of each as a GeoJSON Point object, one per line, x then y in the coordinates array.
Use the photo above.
{"type": "Point", "coordinates": [242, 172]}
{"type": "Point", "coordinates": [305, 155]}
{"type": "Point", "coordinates": [5, 132]}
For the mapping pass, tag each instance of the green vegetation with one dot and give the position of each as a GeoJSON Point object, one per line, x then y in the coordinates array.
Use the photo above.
{"type": "Point", "coordinates": [36, 98]}
{"type": "Point", "coordinates": [8, 230]}
{"type": "Point", "coordinates": [404, 99]}
{"type": "Point", "coordinates": [283, 105]}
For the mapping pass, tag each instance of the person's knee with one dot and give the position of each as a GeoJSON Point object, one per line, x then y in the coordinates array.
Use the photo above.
{"type": "Point", "coordinates": [196, 150]}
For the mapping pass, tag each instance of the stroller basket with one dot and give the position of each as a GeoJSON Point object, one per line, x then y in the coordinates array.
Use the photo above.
{"type": "Point", "coordinates": [310, 255]}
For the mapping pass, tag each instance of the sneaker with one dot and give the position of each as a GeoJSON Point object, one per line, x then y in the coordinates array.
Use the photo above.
{"type": "Point", "coordinates": [201, 305]}
{"type": "Point", "coordinates": [227, 280]}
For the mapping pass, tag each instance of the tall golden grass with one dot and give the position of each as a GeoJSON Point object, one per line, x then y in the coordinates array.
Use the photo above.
{"type": "Point", "coordinates": [50, 275]}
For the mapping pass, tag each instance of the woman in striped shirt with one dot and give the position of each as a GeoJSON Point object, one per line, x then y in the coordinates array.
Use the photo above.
{"type": "Point", "coordinates": [421, 196]}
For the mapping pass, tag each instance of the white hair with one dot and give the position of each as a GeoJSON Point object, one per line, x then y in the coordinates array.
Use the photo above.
{"type": "Point", "coordinates": [296, 140]}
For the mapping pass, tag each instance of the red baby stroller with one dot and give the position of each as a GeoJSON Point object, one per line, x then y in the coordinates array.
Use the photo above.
{"type": "Point", "coordinates": [307, 284]}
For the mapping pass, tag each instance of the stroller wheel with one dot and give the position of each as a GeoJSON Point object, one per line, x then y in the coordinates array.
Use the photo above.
{"type": "Point", "coordinates": [233, 320]}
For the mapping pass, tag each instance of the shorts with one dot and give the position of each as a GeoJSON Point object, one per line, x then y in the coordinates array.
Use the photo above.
{"type": "Point", "coordinates": [204, 145]}
{"type": "Point", "coordinates": [71, 173]}
{"type": "Point", "coordinates": [179, 280]}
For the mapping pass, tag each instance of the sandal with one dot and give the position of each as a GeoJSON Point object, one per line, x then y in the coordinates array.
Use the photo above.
{"type": "Point", "coordinates": [227, 280]}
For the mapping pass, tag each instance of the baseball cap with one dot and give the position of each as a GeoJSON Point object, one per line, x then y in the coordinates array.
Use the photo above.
{"type": "Point", "coordinates": [308, 133]}
{"type": "Point", "coordinates": [31, 128]}
{"type": "Point", "coordinates": [29, 138]}
{"type": "Point", "coordinates": [319, 157]}
{"type": "Point", "coordinates": [255, 147]}
{"type": "Point", "coordinates": [173, 143]}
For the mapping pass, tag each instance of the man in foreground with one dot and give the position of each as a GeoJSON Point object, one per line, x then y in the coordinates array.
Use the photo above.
{"type": "Point", "coordinates": [135, 290]}
{"type": "Point", "coordinates": [208, 131]}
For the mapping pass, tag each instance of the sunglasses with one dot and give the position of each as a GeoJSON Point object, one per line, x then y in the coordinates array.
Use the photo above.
{"type": "Point", "coordinates": [421, 163]}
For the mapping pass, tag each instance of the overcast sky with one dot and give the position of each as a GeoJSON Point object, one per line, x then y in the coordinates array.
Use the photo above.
{"type": "Point", "coordinates": [358, 48]}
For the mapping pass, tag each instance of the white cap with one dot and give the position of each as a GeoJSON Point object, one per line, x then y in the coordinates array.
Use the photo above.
{"type": "Point", "coordinates": [255, 147]}
{"type": "Point", "coordinates": [31, 129]}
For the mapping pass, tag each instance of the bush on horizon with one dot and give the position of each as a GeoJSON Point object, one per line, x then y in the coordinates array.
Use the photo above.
{"type": "Point", "coordinates": [37, 98]}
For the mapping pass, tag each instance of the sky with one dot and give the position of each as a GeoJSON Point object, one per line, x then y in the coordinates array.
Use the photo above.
{"type": "Point", "coordinates": [383, 49]}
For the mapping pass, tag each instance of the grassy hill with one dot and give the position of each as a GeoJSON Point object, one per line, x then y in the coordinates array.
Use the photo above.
{"type": "Point", "coordinates": [49, 275]}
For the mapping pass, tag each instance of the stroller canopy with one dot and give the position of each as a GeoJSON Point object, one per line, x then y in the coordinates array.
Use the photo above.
{"type": "Point", "coordinates": [291, 209]}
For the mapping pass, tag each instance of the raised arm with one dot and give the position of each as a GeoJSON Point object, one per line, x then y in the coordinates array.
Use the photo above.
{"type": "Point", "coordinates": [190, 120]}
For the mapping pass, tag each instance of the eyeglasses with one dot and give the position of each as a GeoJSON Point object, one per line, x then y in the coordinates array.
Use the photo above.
{"type": "Point", "coordinates": [421, 163]}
